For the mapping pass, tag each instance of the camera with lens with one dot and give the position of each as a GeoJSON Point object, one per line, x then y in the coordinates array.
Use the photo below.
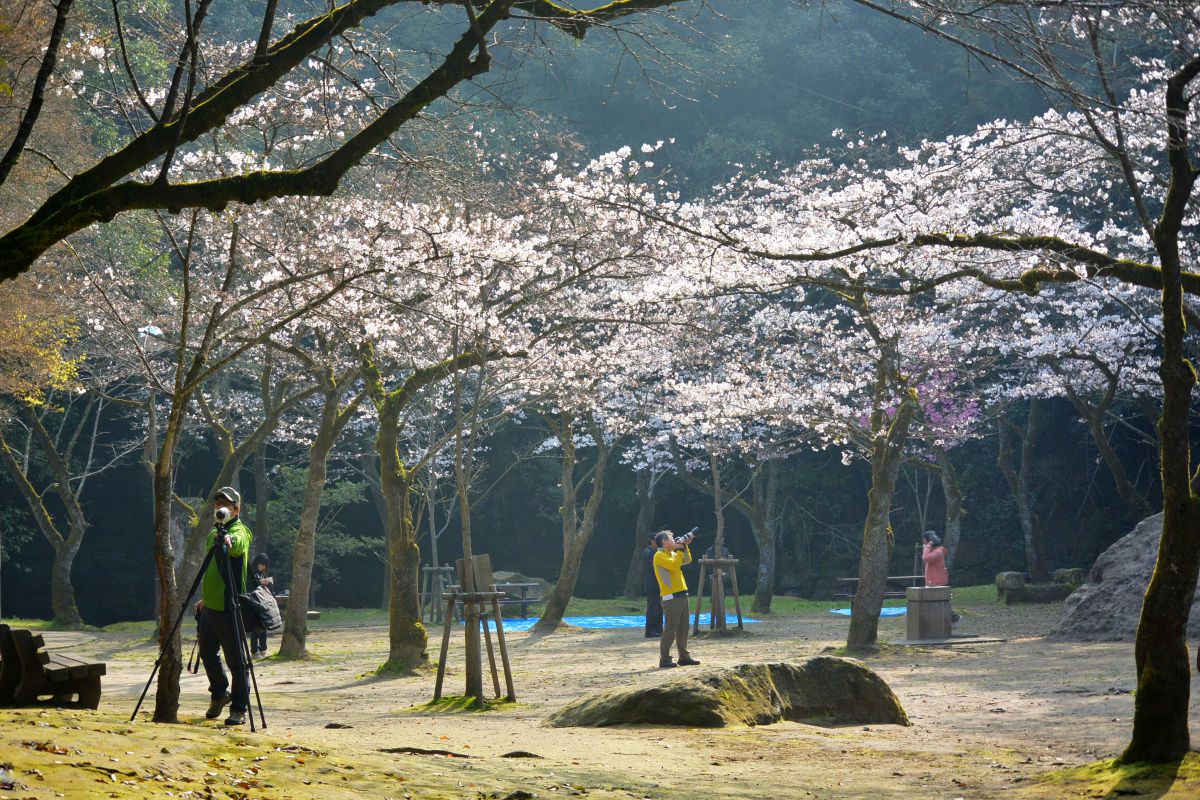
{"type": "Point", "coordinates": [223, 514]}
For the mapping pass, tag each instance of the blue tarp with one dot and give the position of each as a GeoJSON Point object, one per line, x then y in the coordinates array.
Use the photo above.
{"type": "Point", "coordinates": [609, 622]}
{"type": "Point", "coordinates": [889, 611]}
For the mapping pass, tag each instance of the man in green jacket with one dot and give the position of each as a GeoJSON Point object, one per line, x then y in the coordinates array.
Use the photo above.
{"type": "Point", "coordinates": [215, 628]}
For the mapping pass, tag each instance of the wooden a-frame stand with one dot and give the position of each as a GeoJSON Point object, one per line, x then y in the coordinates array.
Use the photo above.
{"type": "Point", "coordinates": [716, 568]}
{"type": "Point", "coordinates": [475, 589]}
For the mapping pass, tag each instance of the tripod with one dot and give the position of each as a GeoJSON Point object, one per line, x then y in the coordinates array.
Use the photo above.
{"type": "Point", "coordinates": [219, 549]}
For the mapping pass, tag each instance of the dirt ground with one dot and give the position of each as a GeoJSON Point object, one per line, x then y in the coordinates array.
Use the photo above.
{"type": "Point", "coordinates": [989, 720]}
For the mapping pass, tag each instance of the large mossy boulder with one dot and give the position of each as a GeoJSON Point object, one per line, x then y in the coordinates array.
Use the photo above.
{"type": "Point", "coordinates": [821, 691]}
{"type": "Point", "coordinates": [1108, 605]}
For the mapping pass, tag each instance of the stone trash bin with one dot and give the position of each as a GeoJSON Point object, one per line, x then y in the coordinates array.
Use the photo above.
{"type": "Point", "coordinates": [928, 612]}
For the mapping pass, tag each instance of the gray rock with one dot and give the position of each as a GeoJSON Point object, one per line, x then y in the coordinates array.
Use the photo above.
{"type": "Point", "coordinates": [1072, 575]}
{"type": "Point", "coordinates": [1010, 580]}
{"type": "Point", "coordinates": [502, 576]}
{"type": "Point", "coordinates": [824, 690]}
{"type": "Point", "coordinates": [1106, 608]}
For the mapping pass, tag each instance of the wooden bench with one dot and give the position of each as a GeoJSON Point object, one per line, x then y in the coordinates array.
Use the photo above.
{"type": "Point", "coordinates": [894, 586]}
{"type": "Point", "coordinates": [30, 675]}
{"type": "Point", "coordinates": [515, 594]}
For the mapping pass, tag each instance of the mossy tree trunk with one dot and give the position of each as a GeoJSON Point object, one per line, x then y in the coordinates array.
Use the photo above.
{"type": "Point", "coordinates": [576, 528]}
{"type": "Point", "coordinates": [407, 637]}
{"type": "Point", "coordinates": [166, 696]}
{"type": "Point", "coordinates": [765, 490]}
{"type": "Point", "coordinates": [889, 434]}
{"type": "Point", "coordinates": [1160, 719]}
{"type": "Point", "coordinates": [334, 417]}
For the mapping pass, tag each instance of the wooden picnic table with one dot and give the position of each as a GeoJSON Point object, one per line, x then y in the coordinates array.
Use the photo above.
{"type": "Point", "coordinates": [905, 580]}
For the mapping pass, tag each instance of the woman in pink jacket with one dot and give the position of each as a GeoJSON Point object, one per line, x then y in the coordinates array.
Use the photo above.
{"type": "Point", "coordinates": [934, 556]}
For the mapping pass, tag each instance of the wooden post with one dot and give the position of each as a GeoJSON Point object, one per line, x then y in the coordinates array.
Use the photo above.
{"type": "Point", "coordinates": [508, 681]}
{"type": "Point", "coordinates": [487, 638]}
{"type": "Point", "coordinates": [737, 600]}
{"type": "Point", "coordinates": [716, 590]}
{"type": "Point", "coordinates": [699, 597]}
{"type": "Point", "coordinates": [717, 617]}
{"type": "Point", "coordinates": [441, 673]}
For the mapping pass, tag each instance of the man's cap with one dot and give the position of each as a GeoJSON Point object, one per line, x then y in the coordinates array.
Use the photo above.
{"type": "Point", "coordinates": [230, 494]}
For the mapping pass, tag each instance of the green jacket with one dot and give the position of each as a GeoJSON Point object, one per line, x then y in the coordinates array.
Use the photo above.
{"type": "Point", "coordinates": [212, 588]}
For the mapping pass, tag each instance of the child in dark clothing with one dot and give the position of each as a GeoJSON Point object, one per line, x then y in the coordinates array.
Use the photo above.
{"type": "Point", "coordinates": [259, 577]}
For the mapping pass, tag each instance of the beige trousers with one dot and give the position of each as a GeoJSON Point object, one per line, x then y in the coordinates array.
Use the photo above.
{"type": "Point", "coordinates": [675, 628]}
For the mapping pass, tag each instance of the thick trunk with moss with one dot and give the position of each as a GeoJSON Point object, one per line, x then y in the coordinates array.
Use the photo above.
{"type": "Point", "coordinates": [295, 623]}
{"type": "Point", "coordinates": [166, 697]}
{"type": "Point", "coordinates": [1160, 718]}
{"type": "Point", "coordinates": [407, 638]}
{"type": "Point", "coordinates": [887, 452]}
{"type": "Point", "coordinates": [62, 591]}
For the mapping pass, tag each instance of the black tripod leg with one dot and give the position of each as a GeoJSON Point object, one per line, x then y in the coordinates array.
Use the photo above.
{"type": "Point", "coordinates": [174, 629]}
{"type": "Point", "coordinates": [240, 632]}
{"type": "Point", "coordinates": [254, 682]}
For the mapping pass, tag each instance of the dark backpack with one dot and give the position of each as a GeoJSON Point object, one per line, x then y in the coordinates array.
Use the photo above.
{"type": "Point", "coordinates": [260, 612]}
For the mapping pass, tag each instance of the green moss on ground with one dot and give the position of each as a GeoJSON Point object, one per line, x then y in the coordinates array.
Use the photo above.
{"type": "Point", "coordinates": [1110, 780]}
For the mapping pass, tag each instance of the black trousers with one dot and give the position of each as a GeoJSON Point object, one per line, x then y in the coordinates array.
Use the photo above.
{"type": "Point", "coordinates": [215, 633]}
{"type": "Point", "coordinates": [654, 614]}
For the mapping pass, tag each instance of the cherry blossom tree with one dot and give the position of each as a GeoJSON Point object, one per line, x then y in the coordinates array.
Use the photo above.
{"type": "Point", "coordinates": [1099, 190]}
{"type": "Point", "coordinates": [213, 85]}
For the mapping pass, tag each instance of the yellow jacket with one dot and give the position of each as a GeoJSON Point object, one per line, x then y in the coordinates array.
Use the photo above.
{"type": "Point", "coordinates": [668, 566]}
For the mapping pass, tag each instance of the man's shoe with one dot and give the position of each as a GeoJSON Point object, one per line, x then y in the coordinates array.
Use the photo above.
{"type": "Point", "coordinates": [236, 718]}
{"type": "Point", "coordinates": [667, 664]}
{"type": "Point", "coordinates": [653, 635]}
{"type": "Point", "coordinates": [215, 706]}
{"type": "Point", "coordinates": [688, 662]}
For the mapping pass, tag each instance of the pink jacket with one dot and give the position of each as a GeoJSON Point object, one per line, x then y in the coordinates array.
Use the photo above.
{"type": "Point", "coordinates": [935, 565]}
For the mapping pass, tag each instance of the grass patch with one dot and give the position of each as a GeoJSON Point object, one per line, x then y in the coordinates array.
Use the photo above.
{"type": "Point", "coordinates": [982, 595]}
{"type": "Point", "coordinates": [144, 627]}
{"type": "Point", "coordinates": [345, 617]}
{"type": "Point", "coordinates": [453, 704]}
{"type": "Point", "coordinates": [1111, 780]}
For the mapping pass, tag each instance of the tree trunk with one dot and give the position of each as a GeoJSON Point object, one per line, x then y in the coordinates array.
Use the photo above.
{"type": "Point", "coordinates": [295, 624]}
{"type": "Point", "coordinates": [407, 639]}
{"type": "Point", "coordinates": [887, 452]}
{"type": "Point", "coordinates": [62, 592]}
{"type": "Point", "coordinates": [641, 533]}
{"type": "Point", "coordinates": [762, 522]}
{"type": "Point", "coordinates": [952, 490]}
{"type": "Point", "coordinates": [166, 696]}
{"type": "Point", "coordinates": [576, 531]}
{"type": "Point", "coordinates": [1019, 483]}
{"type": "Point", "coordinates": [1125, 488]}
{"type": "Point", "coordinates": [1160, 717]}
